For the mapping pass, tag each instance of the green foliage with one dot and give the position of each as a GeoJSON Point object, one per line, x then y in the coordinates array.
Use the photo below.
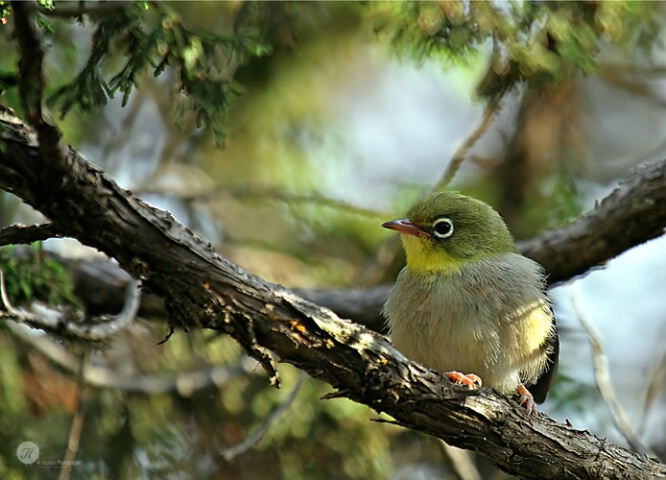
{"type": "Point", "coordinates": [565, 200]}
{"type": "Point", "coordinates": [539, 42]}
{"type": "Point", "coordinates": [32, 277]}
{"type": "Point", "coordinates": [45, 24]}
{"type": "Point", "coordinates": [154, 36]}
{"type": "Point", "coordinates": [423, 29]}
{"type": "Point", "coordinates": [574, 395]}
{"type": "Point", "coordinates": [42, 21]}
{"type": "Point", "coordinates": [5, 11]}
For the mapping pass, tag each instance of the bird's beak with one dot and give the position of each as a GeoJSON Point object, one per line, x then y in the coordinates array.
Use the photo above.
{"type": "Point", "coordinates": [405, 225]}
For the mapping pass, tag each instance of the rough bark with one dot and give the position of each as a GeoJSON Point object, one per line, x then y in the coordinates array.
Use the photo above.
{"type": "Point", "coordinates": [204, 290]}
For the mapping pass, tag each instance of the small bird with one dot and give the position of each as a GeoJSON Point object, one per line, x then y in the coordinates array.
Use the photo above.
{"type": "Point", "coordinates": [468, 301]}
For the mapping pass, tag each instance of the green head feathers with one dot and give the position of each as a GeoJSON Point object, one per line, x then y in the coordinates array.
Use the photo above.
{"type": "Point", "coordinates": [445, 230]}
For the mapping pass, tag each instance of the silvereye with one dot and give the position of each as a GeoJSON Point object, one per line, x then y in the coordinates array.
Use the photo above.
{"type": "Point", "coordinates": [468, 301]}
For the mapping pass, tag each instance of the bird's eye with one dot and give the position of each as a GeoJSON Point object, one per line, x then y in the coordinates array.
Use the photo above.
{"type": "Point", "coordinates": [442, 228]}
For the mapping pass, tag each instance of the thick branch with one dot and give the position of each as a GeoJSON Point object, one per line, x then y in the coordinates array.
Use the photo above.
{"type": "Point", "coordinates": [203, 290]}
{"type": "Point", "coordinates": [633, 213]}
{"type": "Point", "coordinates": [31, 84]}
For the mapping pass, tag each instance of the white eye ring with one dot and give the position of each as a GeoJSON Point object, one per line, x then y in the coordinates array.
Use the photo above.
{"type": "Point", "coordinates": [442, 228]}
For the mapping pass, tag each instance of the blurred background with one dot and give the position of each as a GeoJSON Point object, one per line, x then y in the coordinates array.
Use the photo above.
{"type": "Point", "coordinates": [344, 116]}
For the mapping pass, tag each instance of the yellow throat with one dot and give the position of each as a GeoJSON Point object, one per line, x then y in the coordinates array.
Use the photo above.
{"type": "Point", "coordinates": [422, 258]}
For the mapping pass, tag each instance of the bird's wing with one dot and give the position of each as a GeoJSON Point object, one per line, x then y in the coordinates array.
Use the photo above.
{"type": "Point", "coordinates": [542, 386]}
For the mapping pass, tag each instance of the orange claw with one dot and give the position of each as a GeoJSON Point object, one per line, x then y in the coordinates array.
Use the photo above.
{"type": "Point", "coordinates": [472, 381]}
{"type": "Point", "coordinates": [527, 400]}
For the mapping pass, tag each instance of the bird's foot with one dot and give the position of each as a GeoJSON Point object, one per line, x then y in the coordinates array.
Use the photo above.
{"type": "Point", "coordinates": [472, 381]}
{"type": "Point", "coordinates": [527, 400]}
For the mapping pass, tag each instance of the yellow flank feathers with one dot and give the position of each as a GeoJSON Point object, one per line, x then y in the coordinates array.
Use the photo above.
{"type": "Point", "coordinates": [535, 327]}
{"type": "Point", "coordinates": [423, 258]}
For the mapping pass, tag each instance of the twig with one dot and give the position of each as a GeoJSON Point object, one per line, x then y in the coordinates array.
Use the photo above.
{"type": "Point", "coordinates": [387, 262]}
{"type": "Point", "coordinates": [31, 86]}
{"type": "Point", "coordinates": [461, 153]}
{"type": "Point", "coordinates": [275, 195]}
{"type": "Point", "coordinates": [256, 436]}
{"type": "Point", "coordinates": [656, 382]}
{"type": "Point", "coordinates": [633, 69]}
{"type": "Point", "coordinates": [93, 8]}
{"type": "Point", "coordinates": [461, 462]}
{"type": "Point", "coordinates": [32, 82]}
{"type": "Point", "coordinates": [58, 322]}
{"type": "Point", "coordinates": [635, 82]}
{"type": "Point", "coordinates": [114, 324]}
{"type": "Point", "coordinates": [602, 379]}
{"type": "Point", "coordinates": [22, 234]}
{"type": "Point", "coordinates": [5, 300]}
{"type": "Point", "coordinates": [77, 421]}
{"type": "Point", "coordinates": [184, 383]}
{"type": "Point", "coordinates": [290, 198]}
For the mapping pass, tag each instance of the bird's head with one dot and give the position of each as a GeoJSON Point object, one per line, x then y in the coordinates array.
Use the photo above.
{"type": "Point", "coordinates": [445, 230]}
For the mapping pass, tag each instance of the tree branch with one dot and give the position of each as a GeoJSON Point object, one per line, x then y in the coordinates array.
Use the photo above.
{"type": "Point", "coordinates": [22, 234]}
{"type": "Point", "coordinates": [204, 290]}
{"type": "Point", "coordinates": [492, 107]}
{"type": "Point", "coordinates": [31, 84]}
{"type": "Point", "coordinates": [255, 437]}
{"type": "Point", "coordinates": [633, 213]}
{"type": "Point", "coordinates": [79, 9]}
{"type": "Point", "coordinates": [182, 383]}
{"type": "Point", "coordinates": [603, 380]}
{"type": "Point", "coordinates": [60, 323]}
